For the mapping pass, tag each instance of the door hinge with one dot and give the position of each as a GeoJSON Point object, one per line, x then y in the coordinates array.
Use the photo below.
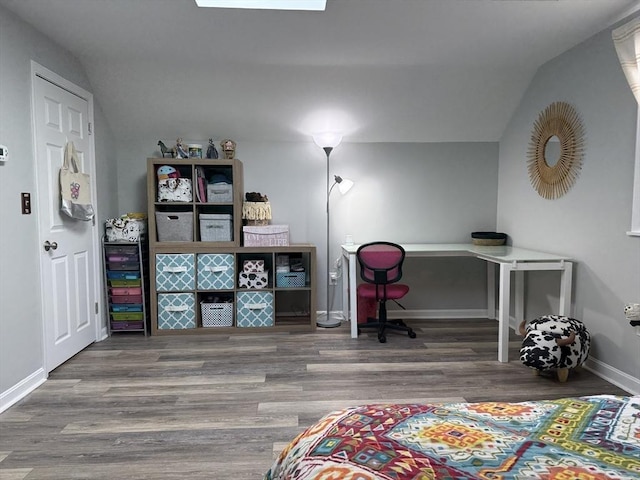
{"type": "Point", "coordinates": [97, 308]}
{"type": "Point", "coordinates": [89, 129]}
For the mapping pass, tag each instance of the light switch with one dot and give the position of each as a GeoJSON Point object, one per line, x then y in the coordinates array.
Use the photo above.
{"type": "Point", "coordinates": [26, 203]}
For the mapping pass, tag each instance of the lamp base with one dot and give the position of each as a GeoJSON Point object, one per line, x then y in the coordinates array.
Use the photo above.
{"type": "Point", "coordinates": [328, 321]}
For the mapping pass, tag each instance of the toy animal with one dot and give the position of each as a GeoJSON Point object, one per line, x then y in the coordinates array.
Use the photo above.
{"type": "Point", "coordinates": [164, 149]}
{"type": "Point", "coordinates": [554, 342]}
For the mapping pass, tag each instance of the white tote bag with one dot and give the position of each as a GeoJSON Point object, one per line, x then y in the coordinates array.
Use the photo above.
{"type": "Point", "coordinates": [75, 187]}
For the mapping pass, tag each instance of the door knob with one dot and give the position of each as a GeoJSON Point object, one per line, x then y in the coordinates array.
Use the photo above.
{"type": "Point", "coordinates": [50, 246]}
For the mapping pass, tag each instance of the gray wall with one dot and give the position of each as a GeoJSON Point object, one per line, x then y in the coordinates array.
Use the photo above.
{"type": "Point", "coordinates": [403, 192]}
{"type": "Point", "coordinates": [21, 351]}
{"type": "Point", "coordinates": [590, 221]}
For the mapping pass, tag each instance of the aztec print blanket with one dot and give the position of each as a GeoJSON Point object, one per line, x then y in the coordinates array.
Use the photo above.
{"type": "Point", "coordinates": [595, 437]}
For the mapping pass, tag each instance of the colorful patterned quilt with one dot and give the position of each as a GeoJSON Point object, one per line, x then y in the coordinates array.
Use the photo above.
{"type": "Point", "coordinates": [596, 437]}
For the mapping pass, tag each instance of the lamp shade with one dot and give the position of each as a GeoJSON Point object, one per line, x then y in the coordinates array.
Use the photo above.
{"type": "Point", "coordinates": [327, 139]}
{"type": "Point", "coordinates": [345, 185]}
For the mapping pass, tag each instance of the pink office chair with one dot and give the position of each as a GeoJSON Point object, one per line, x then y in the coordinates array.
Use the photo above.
{"type": "Point", "coordinates": [381, 269]}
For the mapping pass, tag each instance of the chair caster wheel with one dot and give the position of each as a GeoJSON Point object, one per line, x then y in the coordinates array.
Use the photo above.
{"type": "Point", "coordinates": [382, 339]}
{"type": "Point", "coordinates": [412, 334]}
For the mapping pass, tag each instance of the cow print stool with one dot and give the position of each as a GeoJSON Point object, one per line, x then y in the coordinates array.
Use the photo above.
{"type": "Point", "coordinates": [554, 342]}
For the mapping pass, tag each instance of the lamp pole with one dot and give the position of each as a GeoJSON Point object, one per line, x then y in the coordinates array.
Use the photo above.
{"type": "Point", "coordinates": [328, 150]}
{"type": "Point", "coordinates": [328, 141]}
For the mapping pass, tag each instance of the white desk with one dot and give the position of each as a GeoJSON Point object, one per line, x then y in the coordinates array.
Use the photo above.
{"type": "Point", "coordinates": [510, 259]}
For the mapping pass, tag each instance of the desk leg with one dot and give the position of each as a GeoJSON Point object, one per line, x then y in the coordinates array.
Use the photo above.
{"type": "Point", "coordinates": [491, 290]}
{"type": "Point", "coordinates": [345, 287]}
{"type": "Point", "coordinates": [353, 296]}
{"type": "Point", "coordinates": [503, 312]}
{"type": "Point", "coordinates": [519, 296]}
{"type": "Point", "coordinates": [565, 289]}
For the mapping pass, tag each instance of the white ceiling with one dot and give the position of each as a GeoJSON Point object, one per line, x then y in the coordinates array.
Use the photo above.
{"type": "Point", "coordinates": [379, 70]}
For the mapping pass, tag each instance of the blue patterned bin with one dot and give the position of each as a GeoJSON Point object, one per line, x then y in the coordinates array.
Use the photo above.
{"type": "Point", "coordinates": [175, 272]}
{"type": "Point", "coordinates": [176, 311]}
{"type": "Point", "coordinates": [216, 271]}
{"type": "Point", "coordinates": [254, 309]}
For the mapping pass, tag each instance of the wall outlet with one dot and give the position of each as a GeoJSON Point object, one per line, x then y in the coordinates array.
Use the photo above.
{"type": "Point", "coordinates": [333, 278]}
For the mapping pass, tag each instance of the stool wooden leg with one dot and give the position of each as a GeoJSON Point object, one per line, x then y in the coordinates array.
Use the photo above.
{"type": "Point", "coordinates": [563, 374]}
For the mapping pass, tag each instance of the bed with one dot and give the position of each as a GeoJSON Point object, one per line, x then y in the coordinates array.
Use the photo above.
{"type": "Point", "coordinates": [593, 437]}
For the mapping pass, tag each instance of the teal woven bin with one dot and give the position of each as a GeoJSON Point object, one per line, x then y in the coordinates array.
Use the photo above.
{"type": "Point", "coordinates": [175, 272]}
{"type": "Point", "coordinates": [216, 271]}
{"type": "Point", "coordinates": [254, 309]}
{"type": "Point", "coordinates": [176, 311]}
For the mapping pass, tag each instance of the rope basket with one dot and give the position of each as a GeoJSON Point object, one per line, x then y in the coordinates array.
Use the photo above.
{"type": "Point", "coordinates": [256, 213]}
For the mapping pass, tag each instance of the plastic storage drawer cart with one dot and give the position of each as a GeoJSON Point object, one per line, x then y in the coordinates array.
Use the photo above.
{"type": "Point", "coordinates": [215, 227]}
{"type": "Point", "coordinates": [175, 272]}
{"type": "Point", "coordinates": [254, 309]}
{"type": "Point", "coordinates": [174, 226]}
{"type": "Point", "coordinates": [216, 314]}
{"type": "Point", "coordinates": [176, 311]}
{"type": "Point", "coordinates": [125, 290]}
{"type": "Point", "coordinates": [216, 271]}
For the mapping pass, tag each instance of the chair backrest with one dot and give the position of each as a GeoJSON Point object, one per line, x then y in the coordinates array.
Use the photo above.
{"type": "Point", "coordinates": [380, 262]}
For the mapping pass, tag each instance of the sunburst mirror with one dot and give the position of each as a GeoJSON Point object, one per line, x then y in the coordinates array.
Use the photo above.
{"type": "Point", "coordinates": [555, 150]}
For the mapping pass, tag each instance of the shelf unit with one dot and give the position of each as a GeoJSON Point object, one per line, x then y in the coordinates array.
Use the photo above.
{"type": "Point", "coordinates": [195, 284]}
{"type": "Point", "coordinates": [126, 280]}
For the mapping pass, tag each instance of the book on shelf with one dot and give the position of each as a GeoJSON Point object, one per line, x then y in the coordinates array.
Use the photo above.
{"type": "Point", "coordinates": [201, 185]}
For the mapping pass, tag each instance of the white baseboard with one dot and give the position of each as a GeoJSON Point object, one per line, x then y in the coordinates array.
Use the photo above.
{"type": "Point", "coordinates": [441, 314]}
{"type": "Point", "coordinates": [613, 375]}
{"type": "Point", "coordinates": [22, 389]}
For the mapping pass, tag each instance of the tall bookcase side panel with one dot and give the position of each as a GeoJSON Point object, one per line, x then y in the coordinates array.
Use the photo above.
{"type": "Point", "coordinates": [238, 197]}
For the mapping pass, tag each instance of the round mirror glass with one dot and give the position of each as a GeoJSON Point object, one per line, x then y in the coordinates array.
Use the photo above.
{"type": "Point", "coordinates": [552, 151]}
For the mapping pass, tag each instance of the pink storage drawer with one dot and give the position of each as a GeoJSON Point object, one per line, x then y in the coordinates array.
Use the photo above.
{"type": "Point", "coordinates": [122, 258]}
{"type": "Point", "coordinates": [126, 298]}
{"type": "Point", "coordinates": [127, 325]}
{"type": "Point", "coordinates": [123, 266]}
{"type": "Point", "coordinates": [126, 291]}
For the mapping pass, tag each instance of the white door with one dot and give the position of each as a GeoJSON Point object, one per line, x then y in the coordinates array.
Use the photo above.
{"type": "Point", "coordinates": [68, 247]}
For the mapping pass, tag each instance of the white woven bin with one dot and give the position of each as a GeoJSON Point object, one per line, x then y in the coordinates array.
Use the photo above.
{"type": "Point", "coordinates": [217, 314]}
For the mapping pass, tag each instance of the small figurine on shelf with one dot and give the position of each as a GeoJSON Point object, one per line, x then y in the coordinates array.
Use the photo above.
{"type": "Point", "coordinates": [212, 152]}
{"type": "Point", "coordinates": [228, 148]}
{"type": "Point", "coordinates": [180, 149]}
{"type": "Point", "coordinates": [164, 149]}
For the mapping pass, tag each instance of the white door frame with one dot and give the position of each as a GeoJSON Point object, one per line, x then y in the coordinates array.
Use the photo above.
{"type": "Point", "coordinates": [38, 70]}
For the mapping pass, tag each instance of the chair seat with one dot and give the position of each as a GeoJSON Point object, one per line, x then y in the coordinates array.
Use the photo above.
{"type": "Point", "coordinates": [394, 291]}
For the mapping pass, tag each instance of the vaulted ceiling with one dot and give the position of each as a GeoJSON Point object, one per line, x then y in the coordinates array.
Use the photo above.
{"type": "Point", "coordinates": [378, 70]}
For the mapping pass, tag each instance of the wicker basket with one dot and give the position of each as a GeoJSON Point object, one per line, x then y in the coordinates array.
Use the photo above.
{"type": "Point", "coordinates": [488, 238]}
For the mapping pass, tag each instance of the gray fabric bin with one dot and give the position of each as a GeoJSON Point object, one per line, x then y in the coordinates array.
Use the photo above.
{"type": "Point", "coordinates": [215, 227]}
{"type": "Point", "coordinates": [174, 226]}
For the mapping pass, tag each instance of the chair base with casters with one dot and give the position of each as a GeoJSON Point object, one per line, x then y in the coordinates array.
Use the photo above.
{"type": "Point", "coordinates": [381, 269]}
{"type": "Point", "coordinates": [382, 323]}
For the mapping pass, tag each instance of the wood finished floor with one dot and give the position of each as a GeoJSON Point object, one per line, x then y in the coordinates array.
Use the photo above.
{"type": "Point", "coordinates": [221, 407]}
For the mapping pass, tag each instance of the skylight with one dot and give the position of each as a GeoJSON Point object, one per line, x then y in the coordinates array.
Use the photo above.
{"type": "Point", "coordinates": [315, 5]}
